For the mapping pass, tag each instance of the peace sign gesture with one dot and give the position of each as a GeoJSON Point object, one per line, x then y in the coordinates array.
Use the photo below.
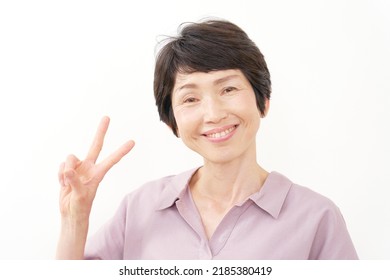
{"type": "Point", "coordinates": [80, 179]}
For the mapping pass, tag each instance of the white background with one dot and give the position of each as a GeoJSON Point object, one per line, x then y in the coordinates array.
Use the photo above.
{"type": "Point", "coordinates": [65, 64]}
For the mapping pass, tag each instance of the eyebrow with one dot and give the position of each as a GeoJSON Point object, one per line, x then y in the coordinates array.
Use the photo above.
{"type": "Point", "coordinates": [216, 82]}
{"type": "Point", "coordinates": [224, 79]}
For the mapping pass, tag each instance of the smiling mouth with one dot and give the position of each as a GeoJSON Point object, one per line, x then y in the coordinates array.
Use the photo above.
{"type": "Point", "coordinates": [221, 134]}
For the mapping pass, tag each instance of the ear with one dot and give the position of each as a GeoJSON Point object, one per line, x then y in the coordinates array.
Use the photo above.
{"type": "Point", "coordinates": [266, 108]}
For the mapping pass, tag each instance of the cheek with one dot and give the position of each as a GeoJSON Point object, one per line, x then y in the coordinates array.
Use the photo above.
{"type": "Point", "coordinates": [247, 106]}
{"type": "Point", "coordinates": [185, 119]}
{"type": "Point", "coordinates": [247, 110]}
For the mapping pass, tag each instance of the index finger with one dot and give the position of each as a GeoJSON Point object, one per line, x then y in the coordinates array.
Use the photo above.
{"type": "Point", "coordinates": [97, 143]}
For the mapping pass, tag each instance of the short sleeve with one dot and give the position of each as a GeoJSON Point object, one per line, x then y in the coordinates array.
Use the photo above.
{"type": "Point", "coordinates": [107, 242]}
{"type": "Point", "coordinates": [332, 240]}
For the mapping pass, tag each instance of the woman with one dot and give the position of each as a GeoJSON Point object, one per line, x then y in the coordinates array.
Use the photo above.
{"type": "Point", "coordinates": [212, 87]}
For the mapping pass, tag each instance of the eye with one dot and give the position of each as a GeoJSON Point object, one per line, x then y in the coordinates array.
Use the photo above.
{"type": "Point", "coordinates": [190, 100]}
{"type": "Point", "coordinates": [229, 89]}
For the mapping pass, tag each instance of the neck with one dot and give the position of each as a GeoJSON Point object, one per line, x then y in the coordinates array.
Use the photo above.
{"type": "Point", "coordinates": [230, 182]}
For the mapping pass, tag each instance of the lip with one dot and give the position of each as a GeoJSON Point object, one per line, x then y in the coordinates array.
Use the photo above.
{"type": "Point", "coordinates": [225, 133]}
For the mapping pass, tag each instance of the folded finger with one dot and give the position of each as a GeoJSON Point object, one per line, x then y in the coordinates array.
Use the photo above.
{"type": "Point", "coordinates": [61, 174]}
{"type": "Point", "coordinates": [72, 180]}
{"type": "Point", "coordinates": [71, 163]}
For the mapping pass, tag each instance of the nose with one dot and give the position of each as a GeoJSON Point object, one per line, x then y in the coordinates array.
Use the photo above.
{"type": "Point", "coordinates": [213, 110]}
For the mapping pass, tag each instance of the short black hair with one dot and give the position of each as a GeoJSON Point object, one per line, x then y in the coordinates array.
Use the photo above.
{"type": "Point", "coordinates": [203, 47]}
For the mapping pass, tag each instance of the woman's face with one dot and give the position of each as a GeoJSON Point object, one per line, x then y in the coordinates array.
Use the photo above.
{"type": "Point", "coordinates": [216, 114]}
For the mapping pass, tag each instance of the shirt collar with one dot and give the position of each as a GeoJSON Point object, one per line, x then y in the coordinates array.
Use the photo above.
{"type": "Point", "coordinates": [270, 198]}
{"type": "Point", "coordinates": [272, 195]}
{"type": "Point", "coordinates": [174, 188]}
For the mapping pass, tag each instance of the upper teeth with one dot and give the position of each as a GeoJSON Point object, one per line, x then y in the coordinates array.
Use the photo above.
{"type": "Point", "coordinates": [220, 134]}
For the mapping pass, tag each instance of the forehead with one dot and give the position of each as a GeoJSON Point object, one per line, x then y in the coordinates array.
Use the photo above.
{"type": "Point", "coordinates": [206, 78]}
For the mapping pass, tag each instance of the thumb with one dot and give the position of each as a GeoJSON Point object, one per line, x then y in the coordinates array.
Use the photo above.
{"type": "Point", "coordinates": [71, 179]}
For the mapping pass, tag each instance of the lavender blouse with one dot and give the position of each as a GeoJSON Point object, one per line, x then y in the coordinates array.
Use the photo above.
{"type": "Point", "coordinates": [282, 221]}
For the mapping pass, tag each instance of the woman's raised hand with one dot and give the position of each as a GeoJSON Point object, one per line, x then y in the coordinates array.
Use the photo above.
{"type": "Point", "coordinates": [80, 179]}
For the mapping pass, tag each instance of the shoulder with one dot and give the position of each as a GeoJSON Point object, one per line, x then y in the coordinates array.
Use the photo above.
{"type": "Point", "coordinates": [303, 198]}
{"type": "Point", "coordinates": [317, 218]}
{"type": "Point", "coordinates": [307, 208]}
